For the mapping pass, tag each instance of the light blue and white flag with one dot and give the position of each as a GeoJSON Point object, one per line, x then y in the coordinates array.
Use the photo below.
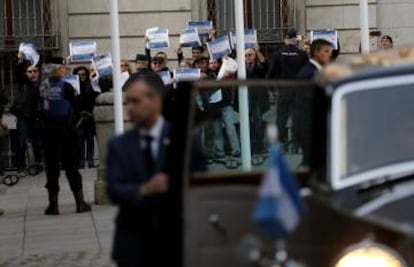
{"type": "Point", "coordinates": [279, 207]}
{"type": "Point", "coordinates": [74, 81]}
{"type": "Point", "coordinates": [103, 64]}
{"type": "Point", "coordinates": [82, 50]}
{"type": "Point", "coordinates": [189, 38]}
{"type": "Point", "coordinates": [203, 27]}
{"type": "Point", "coordinates": [157, 38]}
{"type": "Point", "coordinates": [29, 52]}
{"type": "Point", "coordinates": [219, 47]}
{"type": "Point", "coordinates": [165, 77]}
{"type": "Point", "coordinates": [189, 74]}
{"type": "Point", "coordinates": [328, 35]}
{"type": "Point", "coordinates": [250, 38]}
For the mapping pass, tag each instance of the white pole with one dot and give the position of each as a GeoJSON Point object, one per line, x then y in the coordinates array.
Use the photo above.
{"type": "Point", "coordinates": [116, 59]}
{"type": "Point", "coordinates": [243, 93]}
{"type": "Point", "coordinates": [363, 6]}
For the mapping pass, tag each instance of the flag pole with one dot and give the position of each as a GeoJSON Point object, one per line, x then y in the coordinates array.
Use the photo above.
{"type": "Point", "coordinates": [243, 93]}
{"type": "Point", "coordinates": [363, 8]}
{"type": "Point", "coordinates": [116, 59]}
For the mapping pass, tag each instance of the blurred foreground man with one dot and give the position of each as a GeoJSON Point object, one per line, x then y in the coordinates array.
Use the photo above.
{"type": "Point", "coordinates": [137, 181]}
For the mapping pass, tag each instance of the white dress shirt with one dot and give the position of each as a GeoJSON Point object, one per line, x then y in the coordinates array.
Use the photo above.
{"type": "Point", "coordinates": [155, 132]}
{"type": "Point", "coordinates": [316, 64]}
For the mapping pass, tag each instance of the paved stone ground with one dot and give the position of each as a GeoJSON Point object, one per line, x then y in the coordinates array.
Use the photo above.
{"type": "Point", "coordinates": [29, 238]}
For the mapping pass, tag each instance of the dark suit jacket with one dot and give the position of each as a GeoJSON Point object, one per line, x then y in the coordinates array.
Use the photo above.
{"type": "Point", "coordinates": [141, 222]}
{"type": "Point", "coordinates": [303, 104]}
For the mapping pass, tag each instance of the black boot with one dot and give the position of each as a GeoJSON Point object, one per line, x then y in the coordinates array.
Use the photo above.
{"type": "Point", "coordinates": [53, 208]}
{"type": "Point", "coordinates": [81, 205]}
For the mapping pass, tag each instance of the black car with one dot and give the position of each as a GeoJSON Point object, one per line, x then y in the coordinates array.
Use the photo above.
{"type": "Point", "coordinates": [358, 190]}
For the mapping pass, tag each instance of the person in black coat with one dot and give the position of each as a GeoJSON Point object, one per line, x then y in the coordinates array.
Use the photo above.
{"type": "Point", "coordinates": [86, 123]}
{"type": "Point", "coordinates": [58, 117]}
{"type": "Point", "coordinates": [286, 64]}
{"type": "Point", "coordinates": [320, 55]}
{"type": "Point", "coordinates": [25, 107]}
{"type": "Point", "coordinates": [257, 68]}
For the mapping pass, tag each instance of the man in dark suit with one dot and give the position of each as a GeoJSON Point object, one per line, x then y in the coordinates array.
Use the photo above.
{"type": "Point", "coordinates": [136, 178]}
{"type": "Point", "coordinates": [320, 55]}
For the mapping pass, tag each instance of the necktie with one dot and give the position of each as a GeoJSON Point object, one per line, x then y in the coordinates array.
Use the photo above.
{"type": "Point", "coordinates": [149, 158]}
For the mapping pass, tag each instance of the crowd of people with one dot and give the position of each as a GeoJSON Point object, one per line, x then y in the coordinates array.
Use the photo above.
{"type": "Point", "coordinates": [286, 63]}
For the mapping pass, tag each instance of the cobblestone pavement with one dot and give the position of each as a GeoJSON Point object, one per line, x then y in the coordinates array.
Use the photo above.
{"type": "Point", "coordinates": [29, 238]}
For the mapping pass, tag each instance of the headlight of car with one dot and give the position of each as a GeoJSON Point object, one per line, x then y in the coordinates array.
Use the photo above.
{"type": "Point", "coordinates": [370, 254]}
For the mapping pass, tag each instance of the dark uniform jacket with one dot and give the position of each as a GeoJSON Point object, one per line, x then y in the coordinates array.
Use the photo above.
{"type": "Point", "coordinates": [287, 62]}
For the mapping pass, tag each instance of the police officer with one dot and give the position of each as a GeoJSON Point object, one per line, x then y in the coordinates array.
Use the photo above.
{"type": "Point", "coordinates": [57, 105]}
{"type": "Point", "coordinates": [286, 64]}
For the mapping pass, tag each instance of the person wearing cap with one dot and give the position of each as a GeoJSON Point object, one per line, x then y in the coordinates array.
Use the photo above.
{"type": "Point", "coordinates": [286, 64]}
{"type": "Point", "coordinates": [141, 63]}
{"type": "Point", "coordinates": [58, 116]}
{"type": "Point", "coordinates": [386, 42]}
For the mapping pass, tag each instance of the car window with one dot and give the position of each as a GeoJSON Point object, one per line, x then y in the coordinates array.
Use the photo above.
{"type": "Point", "coordinates": [216, 123]}
{"type": "Point", "coordinates": [373, 129]}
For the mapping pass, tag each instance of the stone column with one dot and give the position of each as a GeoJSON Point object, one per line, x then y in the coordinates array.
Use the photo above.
{"type": "Point", "coordinates": [104, 118]}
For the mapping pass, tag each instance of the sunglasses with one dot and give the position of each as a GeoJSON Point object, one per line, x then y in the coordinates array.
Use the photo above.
{"type": "Point", "coordinates": [156, 62]}
{"type": "Point", "coordinates": [248, 55]}
{"type": "Point", "coordinates": [82, 74]}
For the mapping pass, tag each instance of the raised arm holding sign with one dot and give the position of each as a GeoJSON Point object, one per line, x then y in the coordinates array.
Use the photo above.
{"type": "Point", "coordinates": [157, 38]}
{"type": "Point", "coordinates": [82, 50]}
{"type": "Point", "coordinates": [219, 47]}
{"type": "Point", "coordinates": [29, 52]}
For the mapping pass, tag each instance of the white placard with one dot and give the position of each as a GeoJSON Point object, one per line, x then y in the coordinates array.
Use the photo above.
{"type": "Point", "coordinates": [82, 50]}
{"type": "Point", "coordinates": [165, 76]}
{"type": "Point", "coordinates": [250, 38]}
{"type": "Point", "coordinates": [189, 38]}
{"type": "Point", "coordinates": [189, 74]}
{"type": "Point", "coordinates": [203, 27]}
{"type": "Point", "coordinates": [157, 38]}
{"type": "Point", "coordinates": [229, 65]}
{"type": "Point", "coordinates": [328, 35]}
{"type": "Point", "coordinates": [29, 52]}
{"type": "Point", "coordinates": [219, 47]}
{"type": "Point", "coordinates": [74, 81]}
{"type": "Point", "coordinates": [103, 64]}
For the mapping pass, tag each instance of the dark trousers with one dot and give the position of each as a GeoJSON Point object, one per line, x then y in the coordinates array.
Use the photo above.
{"type": "Point", "coordinates": [257, 131]}
{"type": "Point", "coordinates": [28, 130]}
{"type": "Point", "coordinates": [284, 109]}
{"type": "Point", "coordinates": [59, 142]}
{"type": "Point", "coordinates": [86, 138]}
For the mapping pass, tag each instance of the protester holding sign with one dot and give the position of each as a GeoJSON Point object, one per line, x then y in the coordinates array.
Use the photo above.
{"type": "Point", "coordinates": [25, 108]}
{"type": "Point", "coordinates": [85, 126]}
{"type": "Point", "coordinates": [226, 113]}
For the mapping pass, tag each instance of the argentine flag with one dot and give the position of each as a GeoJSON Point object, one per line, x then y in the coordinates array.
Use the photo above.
{"type": "Point", "coordinates": [279, 206]}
